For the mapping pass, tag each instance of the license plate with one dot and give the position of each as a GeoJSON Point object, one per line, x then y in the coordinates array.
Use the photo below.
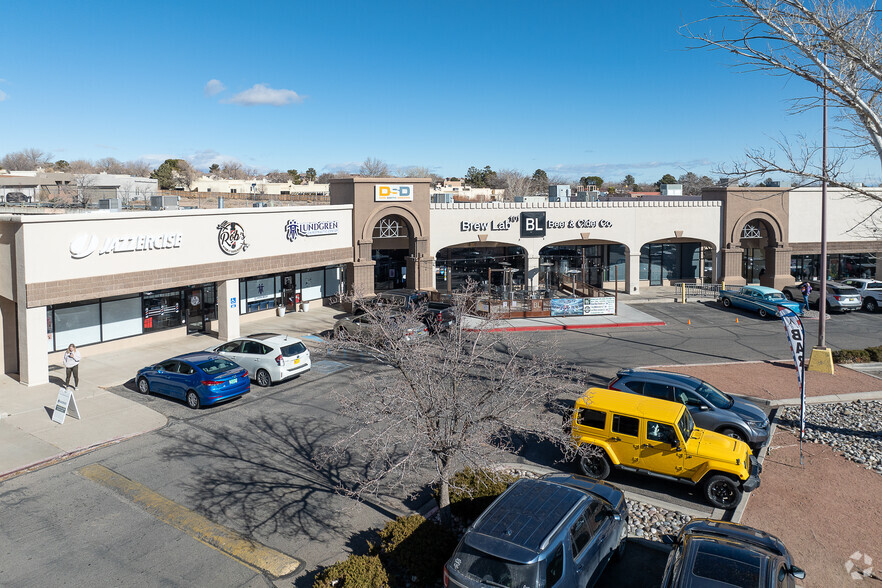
{"type": "Point", "coordinates": [296, 361]}
{"type": "Point", "coordinates": [234, 380]}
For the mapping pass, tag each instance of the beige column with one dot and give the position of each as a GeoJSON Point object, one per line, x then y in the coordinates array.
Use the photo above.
{"type": "Point", "coordinates": [33, 345]}
{"type": "Point", "coordinates": [731, 257]}
{"type": "Point", "coordinates": [632, 274]}
{"type": "Point", "coordinates": [228, 304]}
{"type": "Point", "coordinates": [777, 267]}
{"type": "Point", "coordinates": [531, 271]}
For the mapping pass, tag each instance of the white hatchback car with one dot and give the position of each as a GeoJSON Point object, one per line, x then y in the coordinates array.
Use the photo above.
{"type": "Point", "coordinates": [268, 357]}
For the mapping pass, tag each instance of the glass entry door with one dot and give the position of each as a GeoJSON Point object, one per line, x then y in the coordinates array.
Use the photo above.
{"type": "Point", "coordinates": [195, 315]}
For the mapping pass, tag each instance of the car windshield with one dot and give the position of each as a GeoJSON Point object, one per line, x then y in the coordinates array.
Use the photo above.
{"type": "Point", "coordinates": [714, 396]}
{"type": "Point", "coordinates": [217, 365]}
{"type": "Point", "coordinates": [294, 349]}
{"type": "Point", "coordinates": [493, 571]}
{"type": "Point", "coordinates": [728, 565]}
{"type": "Point", "coordinates": [686, 425]}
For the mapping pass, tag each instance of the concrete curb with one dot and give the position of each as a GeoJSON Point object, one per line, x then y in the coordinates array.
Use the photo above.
{"type": "Point", "coordinates": [829, 398]}
{"type": "Point", "coordinates": [571, 327]}
{"type": "Point", "coordinates": [65, 455]}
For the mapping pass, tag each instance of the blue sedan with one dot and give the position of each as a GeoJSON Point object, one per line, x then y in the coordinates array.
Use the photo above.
{"type": "Point", "coordinates": [200, 378]}
{"type": "Point", "coordinates": [759, 299]}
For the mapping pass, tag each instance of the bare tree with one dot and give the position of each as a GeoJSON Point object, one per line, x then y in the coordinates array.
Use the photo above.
{"type": "Point", "coordinates": [441, 403]}
{"type": "Point", "coordinates": [232, 170]}
{"type": "Point", "coordinates": [515, 183]}
{"type": "Point", "coordinates": [137, 168]}
{"type": "Point", "coordinates": [374, 168]}
{"type": "Point", "coordinates": [110, 165]}
{"type": "Point", "coordinates": [26, 160]}
{"type": "Point", "coordinates": [82, 166]}
{"type": "Point", "coordinates": [414, 171]}
{"type": "Point", "coordinates": [831, 44]}
{"type": "Point", "coordinates": [278, 177]}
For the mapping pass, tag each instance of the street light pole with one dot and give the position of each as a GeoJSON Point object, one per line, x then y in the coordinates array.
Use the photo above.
{"type": "Point", "coordinates": [822, 301]}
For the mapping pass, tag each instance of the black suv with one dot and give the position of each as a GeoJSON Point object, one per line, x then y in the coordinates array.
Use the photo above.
{"type": "Point", "coordinates": [716, 553]}
{"type": "Point", "coordinates": [710, 408]}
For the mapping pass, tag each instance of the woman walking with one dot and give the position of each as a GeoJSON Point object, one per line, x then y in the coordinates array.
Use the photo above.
{"type": "Point", "coordinates": [72, 366]}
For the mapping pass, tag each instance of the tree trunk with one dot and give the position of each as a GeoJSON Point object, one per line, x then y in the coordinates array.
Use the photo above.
{"type": "Point", "coordinates": [444, 495]}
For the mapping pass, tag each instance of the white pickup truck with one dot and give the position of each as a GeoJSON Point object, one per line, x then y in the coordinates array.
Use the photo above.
{"type": "Point", "coordinates": [871, 291]}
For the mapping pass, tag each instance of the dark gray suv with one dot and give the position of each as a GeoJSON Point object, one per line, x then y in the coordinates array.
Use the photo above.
{"type": "Point", "coordinates": [710, 408]}
{"type": "Point", "coordinates": [555, 532]}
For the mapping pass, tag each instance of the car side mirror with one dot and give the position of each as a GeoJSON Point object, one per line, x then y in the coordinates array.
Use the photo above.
{"type": "Point", "coordinates": [614, 515]}
{"type": "Point", "coordinates": [796, 572]}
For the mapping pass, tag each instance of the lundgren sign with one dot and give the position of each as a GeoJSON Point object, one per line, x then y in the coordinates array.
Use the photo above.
{"type": "Point", "coordinates": [310, 229]}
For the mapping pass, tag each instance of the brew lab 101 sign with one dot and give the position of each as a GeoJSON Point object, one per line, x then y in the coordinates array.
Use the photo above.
{"type": "Point", "coordinates": [534, 224]}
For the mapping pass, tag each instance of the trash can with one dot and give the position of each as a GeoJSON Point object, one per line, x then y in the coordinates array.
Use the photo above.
{"type": "Point", "coordinates": [280, 310]}
{"type": "Point", "coordinates": [304, 306]}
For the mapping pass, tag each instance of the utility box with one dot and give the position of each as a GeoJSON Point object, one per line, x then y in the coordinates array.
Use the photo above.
{"type": "Point", "coordinates": [163, 203]}
{"type": "Point", "coordinates": [110, 204]}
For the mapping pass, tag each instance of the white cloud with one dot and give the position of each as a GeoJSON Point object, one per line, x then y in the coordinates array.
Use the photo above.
{"type": "Point", "coordinates": [214, 87]}
{"type": "Point", "coordinates": [260, 94]}
{"type": "Point", "coordinates": [3, 95]}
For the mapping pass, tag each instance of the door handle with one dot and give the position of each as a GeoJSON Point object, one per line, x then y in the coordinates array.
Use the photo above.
{"type": "Point", "coordinates": [646, 446]}
{"type": "Point", "coordinates": [616, 439]}
{"type": "Point", "coordinates": [579, 569]}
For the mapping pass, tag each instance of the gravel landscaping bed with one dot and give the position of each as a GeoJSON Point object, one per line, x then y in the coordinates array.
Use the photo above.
{"type": "Point", "coordinates": [650, 522]}
{"type": "Point", "coordinates": [854, 429]}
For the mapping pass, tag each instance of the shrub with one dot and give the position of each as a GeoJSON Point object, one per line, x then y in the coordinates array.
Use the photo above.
{"type": "Point", "coordinates": [356, 571]}
{"type": "Point", "coordinates": [417, 546]}
{"type": "Point", "coordinates": [853, 356]}
{"type": "Point", "coordinates": [472, 491]}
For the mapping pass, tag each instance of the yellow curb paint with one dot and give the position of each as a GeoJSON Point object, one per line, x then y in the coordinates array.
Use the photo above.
{"type": "Point", "coordinates": [251, 553]}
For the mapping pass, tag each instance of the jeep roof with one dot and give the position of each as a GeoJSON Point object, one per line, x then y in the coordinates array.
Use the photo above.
{"type": "Point", "coordinates": [517, 526]}
{"type": "Point", "coordinates": [632, 404]}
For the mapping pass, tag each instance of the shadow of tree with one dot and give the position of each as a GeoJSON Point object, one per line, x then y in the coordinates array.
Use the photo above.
{"type": "Point", "coordinates": [267, 476]}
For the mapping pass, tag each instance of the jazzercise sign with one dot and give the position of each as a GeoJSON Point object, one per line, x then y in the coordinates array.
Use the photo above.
{"type": "Point", "coordinates": [84, 244]}
{"type": "Point", "coordinates": [393, 193]}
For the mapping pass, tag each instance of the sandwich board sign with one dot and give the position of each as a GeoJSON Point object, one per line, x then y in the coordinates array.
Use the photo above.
{"type": "Point", "coordinates": [64, 405]}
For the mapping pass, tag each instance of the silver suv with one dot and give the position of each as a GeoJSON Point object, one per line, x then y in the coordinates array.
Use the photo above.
{"type": "Point", "coordinates": [268, 357]}
{"type": "Point", "coordinates": [710, 408]}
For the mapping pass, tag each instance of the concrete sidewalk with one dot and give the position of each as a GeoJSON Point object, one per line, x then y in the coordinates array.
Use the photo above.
{"type": "Point", "coordinates": [29, 437]}
{"type": "Point", "coordinates": [626, 317]}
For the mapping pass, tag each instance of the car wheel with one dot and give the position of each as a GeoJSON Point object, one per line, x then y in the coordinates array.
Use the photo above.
{"type": "Point", "coordinates": [193, 399]}
{"type": "Point", "coordinates": [143, 386]}
{"type": "Point", "coordinates": [722, 492]}
{"type": "Point", "coordinates": [763, 313]}
{"type": "Point", "coordinates": [734, 433]}
{"type": "Point", "coordinates": [263, 378]}
{"type": "Point", "coordinates": [595, 465]}
{"type": "Point", "coordinates": [871, 305]}
{"type": "Point", "coordinates": [788, 295]}
{"type": "Point", "coordinates": [727, 303]}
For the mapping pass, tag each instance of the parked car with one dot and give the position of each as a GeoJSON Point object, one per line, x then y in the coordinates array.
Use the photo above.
{"type": "Point", "coordinates": [366, 324]}
{"type": "Point", "coordinates": [557, 531]}
{"type": "Point", "coordinates": [657, 437]}
{"type": "Point", "coordinates": [201, 378]}
{"type": "Point", "coordinates": [268, 357]}
{"type": "Point", "coordinates": [438, 316]}
{"type": "Point", "coordinates": [870, 291]}
{"type": "Point", "coordinates": [711, 408]}
{"type": "Point", "coordinates": [14, 197]}
{"type": "Point", "coordinates": [402, 297]}
{"type": "Point", "coordinates": [717, 553]}
{"type": "Point", "coordinates": [760, 299]}
{"type": "Point", "coordinates": [840, 298]}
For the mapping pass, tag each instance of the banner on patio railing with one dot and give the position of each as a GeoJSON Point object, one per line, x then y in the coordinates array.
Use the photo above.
{"type": "Point", "coordinates": [567, 306]}
{"type": "Point", "coordinates": [604, 305]}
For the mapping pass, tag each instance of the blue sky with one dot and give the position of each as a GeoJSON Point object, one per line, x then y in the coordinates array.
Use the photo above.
{"type": "Point", "coordinates": [576, 88]}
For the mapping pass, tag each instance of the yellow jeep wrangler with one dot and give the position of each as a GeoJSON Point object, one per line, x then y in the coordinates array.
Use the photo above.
{"type": "Point", "coordinates": [657, 437]}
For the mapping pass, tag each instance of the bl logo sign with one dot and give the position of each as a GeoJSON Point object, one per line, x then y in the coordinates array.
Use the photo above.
{"type": "Point", "coordinates": [533, 224]}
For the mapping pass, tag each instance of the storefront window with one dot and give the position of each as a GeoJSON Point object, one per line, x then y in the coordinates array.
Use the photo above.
{"type": "Point", "coordinates": [670, 261]}
{"type": "Point", "coordinates": [840, 266]}
{"type": "Point", "coordinates": [79, 324]}
{"type": "Point", "coordinates": [162, 310]}
{"type": "Point", "coordinates": [120, 317]}
{"type": "Point", "coordinates": [260, 293]}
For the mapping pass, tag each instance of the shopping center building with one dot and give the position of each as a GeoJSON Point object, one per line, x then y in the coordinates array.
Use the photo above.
{"type": "Point", "coordinates": [114, 278]}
